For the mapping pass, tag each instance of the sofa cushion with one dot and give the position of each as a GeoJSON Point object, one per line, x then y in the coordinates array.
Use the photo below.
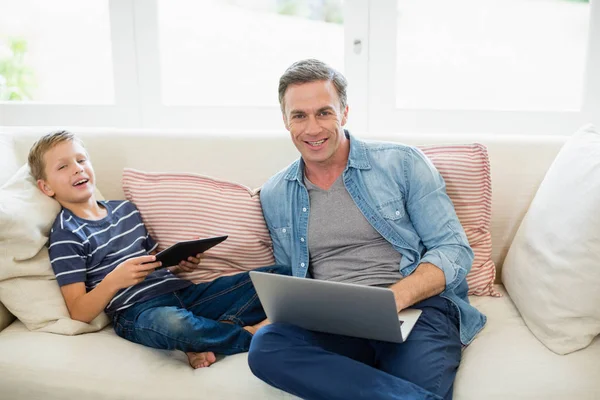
{"type": "Point", "coordinates": [28, 287]}
{"type": "Point", "coordinates": [466, 171]}
{"type": "Point", "coordinates": [5, 316]}
{"type": "Point", "coordinates": [8, 158]}
{"type": "Point", "coordinates": [505, 361]}
{"type": "Point", "coordinates": [102, 365]}
{"type": "Point", "coordinates": [552, 270]}
{"type": "Point", "coordinates": [185, 206]}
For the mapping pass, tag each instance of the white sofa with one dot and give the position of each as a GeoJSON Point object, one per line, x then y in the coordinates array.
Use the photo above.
{"type": "Point", "coordinates": [505, 361]}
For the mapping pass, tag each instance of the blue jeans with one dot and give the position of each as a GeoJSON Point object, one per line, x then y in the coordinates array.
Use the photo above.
{"type": "Point", "coordinates": [193, 319]}
{"type": "Point", "coordinates": [314, 365]}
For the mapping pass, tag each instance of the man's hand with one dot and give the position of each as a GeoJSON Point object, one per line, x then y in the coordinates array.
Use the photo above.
{"type": "Point", "coordinates": [132, 271]}
{"type": "Point", "coordinates": [188, 266]}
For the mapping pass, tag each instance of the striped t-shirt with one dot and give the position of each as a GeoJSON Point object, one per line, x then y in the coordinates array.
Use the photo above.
{"type": "Point", "coordinates": [86, 251]}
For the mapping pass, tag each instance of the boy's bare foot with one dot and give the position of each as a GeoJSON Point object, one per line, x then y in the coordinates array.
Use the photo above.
{"type": "Point", "coordinates": [253, 328]}
{"type": "Point", "coordinates": [201, 360]}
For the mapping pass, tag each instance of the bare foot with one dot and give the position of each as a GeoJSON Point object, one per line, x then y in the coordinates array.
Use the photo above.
{"type": "Point", "coordinates": [254, 328]}
{"type": "Point", "coordinates": [201, 360]}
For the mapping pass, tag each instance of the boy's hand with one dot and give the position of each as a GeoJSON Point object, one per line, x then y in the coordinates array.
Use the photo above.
{"type": "Point", "coordinates": [188, 266]}
{"type": "Point", "coordinates": [132, 271]}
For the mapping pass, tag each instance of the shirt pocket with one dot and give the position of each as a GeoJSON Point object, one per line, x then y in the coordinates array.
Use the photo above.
{"type": "Point", "coordinates": [283, 232]}
{"type": "Point", "coordinates": [392, 209]}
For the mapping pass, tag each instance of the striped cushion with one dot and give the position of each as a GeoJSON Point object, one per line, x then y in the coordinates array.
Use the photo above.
{"type": "Point", "coordinates": [466, 170]}
{"type": "Point", "coordinates": [184, 206]}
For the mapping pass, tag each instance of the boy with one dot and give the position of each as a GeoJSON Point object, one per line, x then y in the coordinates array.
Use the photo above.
{"type": "Point", "coordinates": [102, 256]}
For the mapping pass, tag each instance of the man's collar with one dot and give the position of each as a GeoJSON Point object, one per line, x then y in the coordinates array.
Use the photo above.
{"type": "Point", "coordinates": [358, 153]}
{"type": "Point", "coordinates": [356, 159]}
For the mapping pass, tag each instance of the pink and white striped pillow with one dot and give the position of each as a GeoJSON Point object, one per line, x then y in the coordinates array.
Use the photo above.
{"type": "Point", "coordinates": [466, 170]}
{"type": "Point", "coordinates": [185, 206]}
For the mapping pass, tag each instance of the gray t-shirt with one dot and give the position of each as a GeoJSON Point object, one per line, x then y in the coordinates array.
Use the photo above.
{"type": "Point", "coordinates": [343, 245]}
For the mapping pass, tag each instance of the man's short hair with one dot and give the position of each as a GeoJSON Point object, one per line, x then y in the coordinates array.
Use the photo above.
{"type": "Point", "coordinates": [311, 70]}
{"type": "Point", "coordinates": [42, 146]}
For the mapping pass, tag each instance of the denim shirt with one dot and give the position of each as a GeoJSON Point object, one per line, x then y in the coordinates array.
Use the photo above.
{"type": "Point", "coordinates": [403, 197]}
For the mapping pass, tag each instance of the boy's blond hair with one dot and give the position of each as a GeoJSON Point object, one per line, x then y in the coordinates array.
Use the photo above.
{"type": "Point", "coordinates": [41, 147]}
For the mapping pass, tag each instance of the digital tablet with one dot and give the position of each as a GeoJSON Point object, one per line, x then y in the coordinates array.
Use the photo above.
{"type": "Point", "coordinates": [181, 251]}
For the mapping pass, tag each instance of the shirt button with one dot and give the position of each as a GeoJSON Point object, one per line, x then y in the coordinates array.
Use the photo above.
{"type": "Point", "coordinates": [304, 209]}
{"type": "Point", "coordinates": [397, 212]}
{"type": "Point", "coordinates": [284, 230]}
{"type": "Point", "coordinates": [302, 239]}
{"type": "Point", "coordinates": [302, 264]}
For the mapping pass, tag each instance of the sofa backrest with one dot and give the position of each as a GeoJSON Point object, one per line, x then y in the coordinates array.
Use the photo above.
{"type": "Point", "coordinates": [518, 163]}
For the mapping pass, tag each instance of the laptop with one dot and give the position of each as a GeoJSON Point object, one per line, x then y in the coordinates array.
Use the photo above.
{"type": "Point", "coordinates": [333, 307]}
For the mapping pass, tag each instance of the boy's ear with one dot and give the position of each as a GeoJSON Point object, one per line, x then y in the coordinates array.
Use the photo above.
{"type": "Point", "coordinates": [45, 188]}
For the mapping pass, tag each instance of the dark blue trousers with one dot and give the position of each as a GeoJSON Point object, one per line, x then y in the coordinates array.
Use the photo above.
{"type": "Point", "coordinates": [314, 365]}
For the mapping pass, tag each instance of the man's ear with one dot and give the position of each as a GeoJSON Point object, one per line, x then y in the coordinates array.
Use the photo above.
{"type": "Point", "coordinates": [45, 188]}
{"type": "Point", "coordinates": [345, 115]}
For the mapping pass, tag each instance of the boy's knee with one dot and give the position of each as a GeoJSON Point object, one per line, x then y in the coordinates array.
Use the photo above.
{"type": "Point", "coordinates": [164, 319]}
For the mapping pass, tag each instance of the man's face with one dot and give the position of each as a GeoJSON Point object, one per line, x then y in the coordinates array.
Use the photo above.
{"type": "Point", "coordinates": [69, 174]}
{"type": "Point", "coordinates": [313, 116]}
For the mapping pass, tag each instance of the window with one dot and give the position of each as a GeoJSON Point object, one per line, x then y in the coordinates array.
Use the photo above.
{"type": "Point", "coordinates": [491, 55]}
{"type": "Point", "coordinates": [466, 66]}
{"type": "Point", "coordinates": [421, 66]}
{"type": "Point", "coordinates": [231, 53]}
{"type": "Point", "coordinates": [55, 52]}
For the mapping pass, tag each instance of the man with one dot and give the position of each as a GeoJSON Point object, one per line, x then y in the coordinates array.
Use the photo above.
{"type": "Point", "coordinates": [368, 213]}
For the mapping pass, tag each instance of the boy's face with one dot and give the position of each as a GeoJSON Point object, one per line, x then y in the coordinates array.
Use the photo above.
{"type": "Point", "coordinates": [69, 174]}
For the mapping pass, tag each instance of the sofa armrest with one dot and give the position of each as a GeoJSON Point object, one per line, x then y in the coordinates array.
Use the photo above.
{"type": "Point", "coordinates": [5, 317]}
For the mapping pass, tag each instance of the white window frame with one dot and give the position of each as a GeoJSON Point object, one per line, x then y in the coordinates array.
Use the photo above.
{"type": "Point", "coordinates": [384, 116]}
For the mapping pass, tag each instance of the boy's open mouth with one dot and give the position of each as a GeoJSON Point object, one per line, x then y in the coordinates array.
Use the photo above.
{"type": "Point", "coordinates": [81, 182]}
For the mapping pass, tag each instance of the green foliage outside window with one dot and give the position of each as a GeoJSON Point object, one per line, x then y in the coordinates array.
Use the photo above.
{"type": "Point", "coordinates": [17, 80]}
{"type": "Point", "coordinates": [320, 10]}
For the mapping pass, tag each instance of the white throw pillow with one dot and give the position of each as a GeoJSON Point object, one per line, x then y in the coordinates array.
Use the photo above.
{"type": "Point", "coordinates": [8, 158]}
{"type": "Point", "coordinates": [8, 166]}
{"type": "Point", "coordinates": [552, 270]}
{"type": "Point", "coordinates": [28, 287]}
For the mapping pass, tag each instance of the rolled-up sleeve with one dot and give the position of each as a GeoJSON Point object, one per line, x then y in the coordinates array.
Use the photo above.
{"type": "Point", "coordinates": [434, 219]}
